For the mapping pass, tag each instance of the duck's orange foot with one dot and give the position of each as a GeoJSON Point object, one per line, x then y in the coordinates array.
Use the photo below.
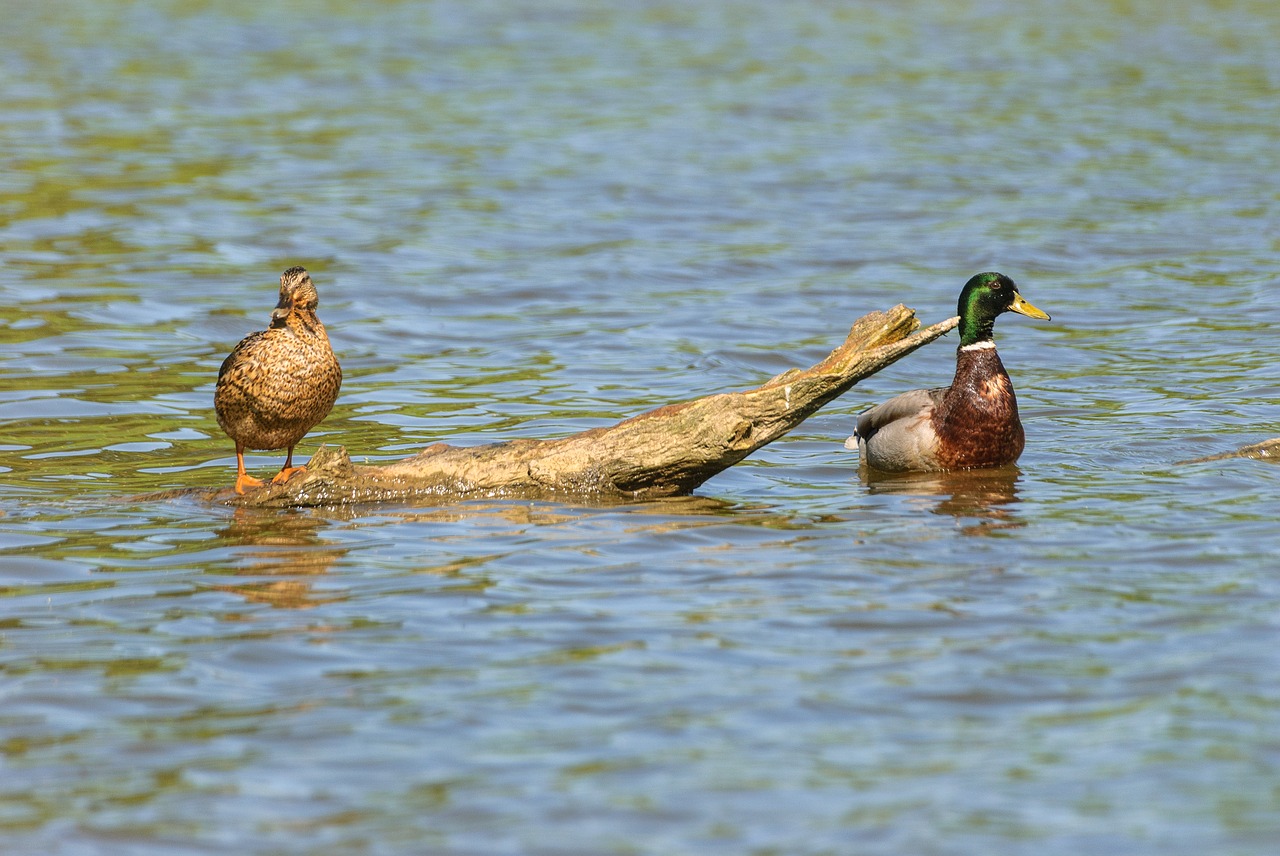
{"type": "Point", "coordinates": [245, 480]}
{"type": "Point", "coordinates": [286, 474]}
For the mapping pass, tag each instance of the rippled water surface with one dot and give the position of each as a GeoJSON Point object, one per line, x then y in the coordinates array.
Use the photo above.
{"type": "Point", "coordinates": [526, 219]}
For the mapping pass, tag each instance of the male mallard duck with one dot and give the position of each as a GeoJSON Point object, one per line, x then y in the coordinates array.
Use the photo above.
{"type": "Point", "coordinates": [278, 383]}
{"type": "Point", "coordinates": [972, 423]}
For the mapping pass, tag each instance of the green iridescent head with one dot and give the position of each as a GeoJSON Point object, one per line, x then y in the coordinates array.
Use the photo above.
{"type": "Point", "coordinates": [983, 298]}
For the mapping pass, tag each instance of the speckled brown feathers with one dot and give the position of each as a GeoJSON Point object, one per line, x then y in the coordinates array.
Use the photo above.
{"type": "Point", "coordinates": [278, 383]}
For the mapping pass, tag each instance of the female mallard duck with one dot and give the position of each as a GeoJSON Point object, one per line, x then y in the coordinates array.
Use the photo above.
{"type": "Point", "coordinates": [972, 423]}
{"type": "Point", "coordinates": [278, 383]}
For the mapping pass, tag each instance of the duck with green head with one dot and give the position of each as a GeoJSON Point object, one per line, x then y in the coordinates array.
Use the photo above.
{"type": "Point", "coordinates": [972, 423]}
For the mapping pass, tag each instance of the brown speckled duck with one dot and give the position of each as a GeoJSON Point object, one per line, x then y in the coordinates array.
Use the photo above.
{"type": "Point", "coordinates": [279, 383]}
{"type": "Point", "coordinates": [972, 423]}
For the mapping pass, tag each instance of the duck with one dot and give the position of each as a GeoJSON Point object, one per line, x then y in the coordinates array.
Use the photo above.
{"type": "Point", "coordinates": [971, 424]}
{"type": "Point", "coordinates": [279, 383]}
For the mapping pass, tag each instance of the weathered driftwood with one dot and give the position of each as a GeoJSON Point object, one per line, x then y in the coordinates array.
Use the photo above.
{"type": "Point", "coordinates": [664, 452]}
{"type": "Point", "coordinates": [1267, 450]}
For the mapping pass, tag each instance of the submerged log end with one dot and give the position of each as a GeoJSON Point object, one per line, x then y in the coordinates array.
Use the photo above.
{"type": "Point", "coordinates": [1267, 450]}
{"type": "Point", "coordinates": [331, 479]}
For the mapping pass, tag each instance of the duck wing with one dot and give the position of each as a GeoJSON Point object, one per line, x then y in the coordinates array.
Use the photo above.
{"type": "Point", "coordinates": [898, 434]}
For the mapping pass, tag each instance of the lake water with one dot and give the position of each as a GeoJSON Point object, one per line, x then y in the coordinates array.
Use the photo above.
{"type": "Point", "coordinates": [525, 219]}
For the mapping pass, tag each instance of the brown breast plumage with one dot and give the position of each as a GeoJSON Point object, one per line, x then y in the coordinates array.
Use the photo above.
{"type": "Point", "coordinates": [277, 384]}
{"type": "Point", "coordinates": [977, 421]}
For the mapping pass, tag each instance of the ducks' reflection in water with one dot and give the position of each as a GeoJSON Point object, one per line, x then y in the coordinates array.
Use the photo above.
{"type": "Point", "coordinates": [988, 498]}
{"type": "Point", "coordinates": [292, 546]}
{"type": "Point", "coordinates": [283, 545]}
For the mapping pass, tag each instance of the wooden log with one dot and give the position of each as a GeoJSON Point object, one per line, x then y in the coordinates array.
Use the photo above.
{"type": "Point", "coordinates": [664, 452]}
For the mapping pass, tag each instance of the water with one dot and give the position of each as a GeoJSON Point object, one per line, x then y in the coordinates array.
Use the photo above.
{"type": "Point", "coordinates": [529, 219]}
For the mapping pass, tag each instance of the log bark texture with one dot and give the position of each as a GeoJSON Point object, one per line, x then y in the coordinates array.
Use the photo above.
{"type": "Point", "coordinates": [664, 452]}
